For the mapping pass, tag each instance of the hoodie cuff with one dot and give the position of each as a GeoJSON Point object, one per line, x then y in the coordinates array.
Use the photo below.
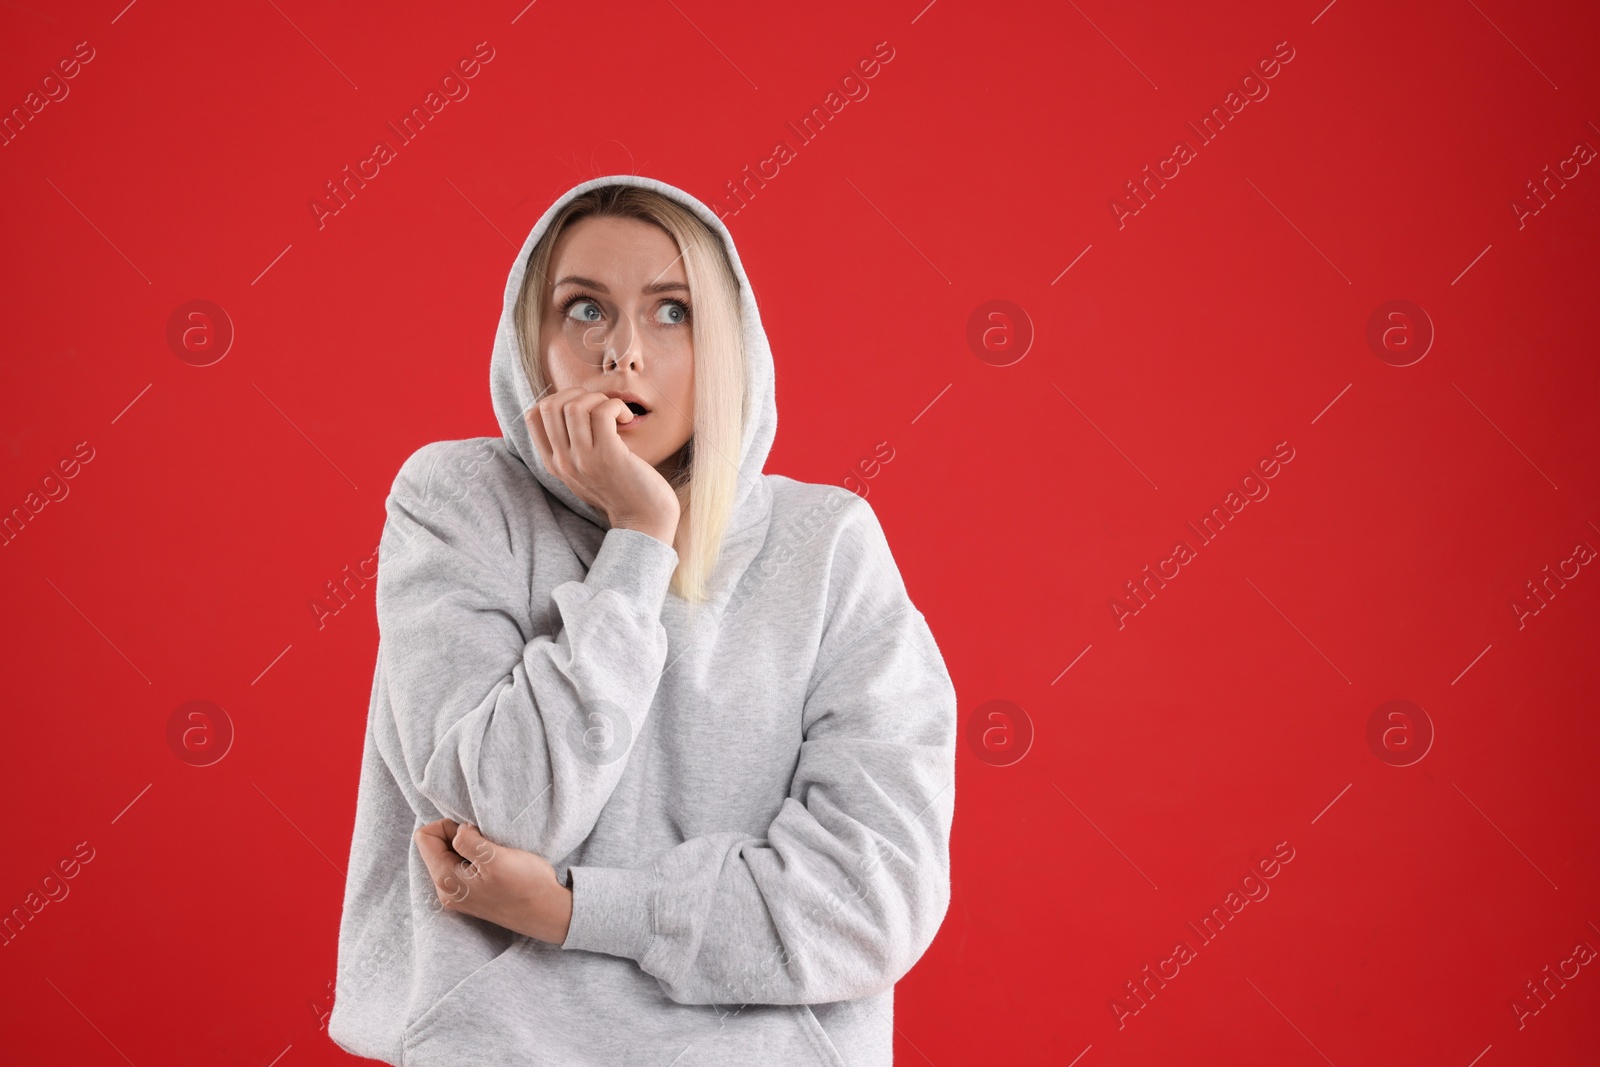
{"type": "Point", "coordinates": [635, 566]}
{"type": "Point", "coordinates": [613, 910]}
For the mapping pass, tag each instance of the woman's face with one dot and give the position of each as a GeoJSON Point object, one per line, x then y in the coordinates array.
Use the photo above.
{"type": "Point", "coordinates": [616, 319]}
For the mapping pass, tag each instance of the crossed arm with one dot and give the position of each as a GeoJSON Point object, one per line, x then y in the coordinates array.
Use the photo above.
{"type": "Point", "coordinates": [836, 899]}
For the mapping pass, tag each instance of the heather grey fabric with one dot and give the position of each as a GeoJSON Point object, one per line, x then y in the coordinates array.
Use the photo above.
{"type": "Point", "coordinates": [752, 802]}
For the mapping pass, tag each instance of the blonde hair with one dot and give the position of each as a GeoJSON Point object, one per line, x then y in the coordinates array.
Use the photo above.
{"type": "Point", "coordinates": [707, 475]}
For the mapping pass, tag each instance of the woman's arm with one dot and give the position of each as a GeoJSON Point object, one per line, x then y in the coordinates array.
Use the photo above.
{"type": "Point", "coordinates": [851, 881]}
{"type": "Point", "coordinates": [524, 739]}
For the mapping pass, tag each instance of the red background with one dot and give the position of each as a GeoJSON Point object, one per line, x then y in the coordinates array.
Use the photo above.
{"type": "Point", "coordinates": [1228, 315]}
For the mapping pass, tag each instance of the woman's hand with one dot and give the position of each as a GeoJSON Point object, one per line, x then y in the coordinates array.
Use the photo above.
{"type": "Point", "coordinates": [575, 433]}
{"type": "Point", "coordinates": [503, 885]}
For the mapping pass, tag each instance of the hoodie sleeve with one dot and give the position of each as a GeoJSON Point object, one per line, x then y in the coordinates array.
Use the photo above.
{"type": "Point", "coordinates": [850, 882]}
{"type": "Point", "coordinates": [523, 737]}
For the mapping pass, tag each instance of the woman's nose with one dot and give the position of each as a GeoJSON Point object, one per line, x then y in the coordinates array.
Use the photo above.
{"type": "Point", "coordinates": [624, 348]}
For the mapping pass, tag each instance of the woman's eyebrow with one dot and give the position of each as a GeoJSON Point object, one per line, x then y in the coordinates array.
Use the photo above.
{"type": "Point", "coordinates": [654, 287]}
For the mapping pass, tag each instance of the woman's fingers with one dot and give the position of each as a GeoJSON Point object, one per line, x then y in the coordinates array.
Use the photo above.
{"type": "Point", "coordinates": [547, 425]}
{"type": "Point", "coordinates": [539, 428]}
{"type": "Point", "coordinates": [441, 829]}
{"type": "Point", "coordinates": [534, 417]}
{"type": "Point", "coordinates": [570, 429]}
{"type": "Point", "coordinates": [589, 417]}
{"type": "Point", "coordinates": [607, 416]}
{"type": "Point", "coordinates": [555, 426]}
{"type": "Point", "coordinates": [433, 843]}
{"type": "Point", "coordinates": [580, 436]}
{"type": "Point", "coordinates": [471, 845]}
{"type": "Point", "coordinates": [581, 425]}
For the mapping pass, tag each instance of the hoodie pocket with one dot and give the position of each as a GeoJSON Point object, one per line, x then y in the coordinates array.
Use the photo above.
{"type": "Point", "coordinates": [756, 1033]}
{"type": "Point", "coordinates": [462, 1004]}
{"type": "Point", "coordinates": [819, 1037]}
{"type": "Point", "coordinates": [535, 1004]}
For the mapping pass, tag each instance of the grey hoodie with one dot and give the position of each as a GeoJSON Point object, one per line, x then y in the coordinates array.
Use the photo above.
{"type": "Point", "coordinates": [751, 804]}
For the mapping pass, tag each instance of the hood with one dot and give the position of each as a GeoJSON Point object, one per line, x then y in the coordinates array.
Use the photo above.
{"type": "Point", "coordinates": [513, 393]}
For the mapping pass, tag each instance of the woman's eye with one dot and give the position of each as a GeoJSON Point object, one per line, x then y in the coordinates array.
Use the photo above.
{"type": "Point", "coordinates": [580, 303]}
{"type": "Point", "coordinates": [676, 313]}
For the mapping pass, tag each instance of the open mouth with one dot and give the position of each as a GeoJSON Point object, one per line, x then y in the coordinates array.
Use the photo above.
{"type": "Point", "coordinates": [637, 408]}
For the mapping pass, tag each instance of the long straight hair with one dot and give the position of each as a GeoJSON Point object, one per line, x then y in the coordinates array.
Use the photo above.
{"type": "Point", "coordinates": [707, 467]}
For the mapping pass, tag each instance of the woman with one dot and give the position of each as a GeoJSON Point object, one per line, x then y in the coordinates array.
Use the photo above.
{"type": "Point", "coordinates": [659, 763]}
